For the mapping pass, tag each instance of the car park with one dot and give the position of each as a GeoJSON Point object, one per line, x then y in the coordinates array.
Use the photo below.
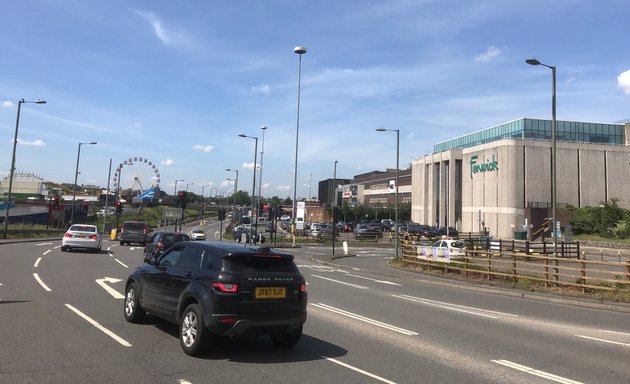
{"type": "Point", "coordinates": [222, 289]}
{"type": "Point", "coordinates": [160, 241]}
{"type": "Point", "coordinates": [81, 236]}
{"type": "Point", "coordinates": [134, 232]}
{"type": "Point", "coordinates": [370, 230]}
{"type": "Point", "coordinates": [197, 234]}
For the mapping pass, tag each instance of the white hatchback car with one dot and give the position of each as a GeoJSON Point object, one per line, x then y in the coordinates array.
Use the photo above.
{"type": "Point", "coordinates": [456, 248]}
{"type": "Point", "coordinates": [197, 234]}
{"type": "Point", "coordinates": [83, 236]}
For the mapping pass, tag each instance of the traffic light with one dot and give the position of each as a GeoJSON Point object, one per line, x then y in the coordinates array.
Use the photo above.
{"type": "Point", "coordinates": [119, 207]}
{"type": "Point", "coordinates": [56, 201]}
{"type": "Point", "coordinates": [221, 214]}
{"type": "Point", "coordinates": [182, 197]}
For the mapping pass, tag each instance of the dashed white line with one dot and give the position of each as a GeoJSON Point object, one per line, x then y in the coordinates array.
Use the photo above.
{"type": "Point", "coordinates": [41, 282]}
{"type": "Point", "coordinates": [615, 332]}
{"type": "Point", "coordinates": [365, 319]}
{"type": "Point", "coordinates": [37, 262]}
{"type": "Point", "coordinates": [374, 280]}
{"type": "Point", "coordinates": [121, 263]}
{"type": "Point", "coordinates": [535, 372]}
{"type": "Point", "coordinates": [41, 244]}
{"type": "Point", "coordinates": [340, 282]}
{"type": "Point", "coordinates": [359, 370]}
{"type": "Point", "coordinates": [604, 340]}
{"type": "Point", "coordinates": [456, 307]}
{"type": "Point", "coordinates": [106, 331]}
{"type": "Point", "coordinates": [45, 253]}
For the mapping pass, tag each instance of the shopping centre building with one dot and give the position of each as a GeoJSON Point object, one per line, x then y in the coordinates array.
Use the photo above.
{"type": "Point", "coordinates": [500, 180]}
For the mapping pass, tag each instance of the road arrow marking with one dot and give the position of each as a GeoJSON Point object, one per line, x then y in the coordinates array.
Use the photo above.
{"type": "Point", "coordinates": [110, 290]}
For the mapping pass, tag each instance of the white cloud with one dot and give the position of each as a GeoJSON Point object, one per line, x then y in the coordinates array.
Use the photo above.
{"type": "Point", "coordinates": [490, 54]}
{"type": "Point", "coordinates": [623, 81]}
{"type": "Point", "coordinates": [203, 148]}
{"type": "Point", "coordinates": [250, 165]}
{"type": "Point", "coordinates": [8, 104]}
{"type": "Point", "coordinates": [167, 37]}
{"type": "Point", "coordinates": [35, 143]}
{"type": "Point", "coordinates": [283, 188]}
{"type": "Point", "coordinates": [265, 186]}
{"type": "Point", "coordinates": [167, 162]}
{"type": "Point", "coordinates": [262, 88]}
{"type": "Point", "coordinates": [227, 183]}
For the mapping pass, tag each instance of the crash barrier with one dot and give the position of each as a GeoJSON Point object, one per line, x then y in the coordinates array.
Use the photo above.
{"type": "Point", "coordinates": [582, 273]}
{"type": "Point", "coordinates": [564, 249]}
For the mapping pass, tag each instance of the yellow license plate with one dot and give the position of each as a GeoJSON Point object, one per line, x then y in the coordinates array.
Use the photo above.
{"type": "Point", "coordinates": [270, 293]}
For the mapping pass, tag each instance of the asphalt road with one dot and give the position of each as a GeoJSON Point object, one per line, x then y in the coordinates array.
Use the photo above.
{"type": "Point", "coordinates": [62, 322]}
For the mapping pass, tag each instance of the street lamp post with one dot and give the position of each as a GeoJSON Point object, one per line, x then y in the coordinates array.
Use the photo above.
{"type": "Point", "coordinates": [554, 189]}
{"type": "Point", "coordinates": [175, 191]}
{"type": "Point", "coordinates": [254, 225]}
{"type": "Point", "coordinates": [299, 51]}
{"type": "Point", "coordinates": [235, 191]}
{"type": "Point", "coordinates": [310, 182]}
{"type": "Point", "coordinates": [334, 203]}
{"type": "Point", "coordinates": [262, 152]}
{"type": "Point", "coordinates": [12, 170]}
{"type": "Point", "coordinates": [76, 175]}
{"type": "Point", "coordinates": [397, 179]}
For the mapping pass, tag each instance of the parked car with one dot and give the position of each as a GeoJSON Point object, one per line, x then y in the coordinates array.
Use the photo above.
{"type": "Point", "coordinates": [160, 241]}
{"type": "Point", "coordinates": [197, 234]}
{"type": "Point", "coordinates": [134, 232]}
{"type": "Point", "coordinates": [222, 289]}
{"type": "Point", "coordinates": [83, 236]}
{"type": "Point", "coordinates": [367, 231]}
{"type": "Point", "coordinates": [456, 248]}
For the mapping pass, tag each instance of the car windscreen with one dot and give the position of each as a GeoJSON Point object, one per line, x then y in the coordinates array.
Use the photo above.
{"type": "Point", "coordinates": [259, 263]}
{"type": "Point", "coordinates": [135, 226]}
{"type": "Point", "coordinates": [172, 239]}
{"type": "Point", "coordinates": [82, 228]}
{"type": "Point", "coordinates": [458, 244]}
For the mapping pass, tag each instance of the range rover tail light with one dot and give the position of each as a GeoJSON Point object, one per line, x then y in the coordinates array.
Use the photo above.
{"type": "Point", "coordinates": [223, 287]}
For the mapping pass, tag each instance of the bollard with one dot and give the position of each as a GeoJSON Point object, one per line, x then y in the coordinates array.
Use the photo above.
{"type": "Point", "coordinates": [601, 254]}
{"type": "Point", "coordinates": [345, 247]}
{"type": "Point", "coordinates": [583, 255]}
{"type": "Point", "coordinates": [619, 255]}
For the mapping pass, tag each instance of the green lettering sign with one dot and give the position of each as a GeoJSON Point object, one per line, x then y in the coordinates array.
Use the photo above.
{"type": "Point", "coordinates": [488, 166]}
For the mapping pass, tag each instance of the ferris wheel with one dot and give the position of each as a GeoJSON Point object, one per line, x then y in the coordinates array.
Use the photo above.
{"type": "Point", "coordinates": [137, 175]}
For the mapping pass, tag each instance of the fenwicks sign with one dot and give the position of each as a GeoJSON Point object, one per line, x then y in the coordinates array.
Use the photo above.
{"type": "Point", "coordinates": [487, 166]}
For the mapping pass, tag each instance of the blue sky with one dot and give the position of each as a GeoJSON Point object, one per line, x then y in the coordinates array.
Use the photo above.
{"type": "Point", "coordinates": [177, 82]}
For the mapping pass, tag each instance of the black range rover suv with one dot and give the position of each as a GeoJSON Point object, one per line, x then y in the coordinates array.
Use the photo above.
{"type": "Point", "coordinates": [219, 288]}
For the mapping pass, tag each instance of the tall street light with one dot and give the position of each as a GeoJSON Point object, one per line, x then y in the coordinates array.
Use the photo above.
{"type": "Point", "coordinates": [334, 203]}
{"type": "Point", "coordinates": [554, 189]}
{"type": "Point", "coordinates": [255, 225]}
{"type": "Point", "coordinates": [17, 125]}
{"type": "Point", "coordinates": [310, 182]}
{"type": "Point", "coordinates": [187, 184]}
{"type": "Point", "coordinates": [235, 191]}
{"type": "Point", "coordinates": [299, 51]}
{"type": "Point", "coordinates": [397, 178]}
{"type": "Point", "coordinates": [175, 191]}
{"type": "Point", "coordinates": [262, 152]}
{"type": "Point", "coordinates": [76, 175]}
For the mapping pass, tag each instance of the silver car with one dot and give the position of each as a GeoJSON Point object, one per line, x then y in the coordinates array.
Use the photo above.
{"type": "Point", "coordinates": [83, 236]}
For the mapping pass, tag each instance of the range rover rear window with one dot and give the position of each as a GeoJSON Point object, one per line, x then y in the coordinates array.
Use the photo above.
{"type": "Point", "coordinates": [260, 263]}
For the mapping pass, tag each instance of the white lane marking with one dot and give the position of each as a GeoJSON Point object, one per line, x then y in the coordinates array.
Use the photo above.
{"type": "Point", "coordinates": [45, 253]}
{"type": "Point", "coordinates": [36, 276]}
{"type": "Point", "coordinates": [41, 244]}
{"type": "Point", "coordinates": [340, 282]}
{"type": "Point", "coordinates": [614, 332]}
{"type": "Point", "coordinates": [365, 319]}
{"type": "Point", "coordinates": [37, 262]}
{"type": "Point", "coordinates": [57, 247]}
{"type": "Point", "coordinates": [456, 307]}
{"type": "Point", "coordinates": [535, 372]}
{"type": "Point", "coordinates": [110, 290]}
{"type": "Point", "coordinates": [182, 381]}
{"type": "Point", "coordinates": [604, 340]}
{"type": "Point", "coordinates": [374, 280]}
{"type": "Point", "coordinates": [121, 263]}
{"type": "Point", "coordinates": [99, 327]}
{"type": "Point", "coordinates": [359, 370]}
